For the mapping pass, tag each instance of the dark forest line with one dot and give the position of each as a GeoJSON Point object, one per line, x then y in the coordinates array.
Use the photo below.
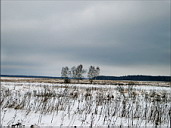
{"type": "Point", "coordinates": [136, 78]}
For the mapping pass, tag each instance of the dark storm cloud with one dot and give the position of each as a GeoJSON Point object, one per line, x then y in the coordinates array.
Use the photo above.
{"type": "Point", "coordinates": [48, 35]}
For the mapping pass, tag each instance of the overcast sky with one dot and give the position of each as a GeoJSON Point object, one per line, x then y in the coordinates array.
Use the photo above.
{"type": "Point", "coordinates": [121, 37]}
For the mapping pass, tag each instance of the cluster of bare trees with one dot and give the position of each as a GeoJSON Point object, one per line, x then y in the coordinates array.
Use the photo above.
{"type": "Point", "coordinates": [77, 72]}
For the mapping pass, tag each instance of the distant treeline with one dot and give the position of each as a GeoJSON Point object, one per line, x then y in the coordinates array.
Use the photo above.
{"type": "Point", "coordinates": [136, 78]}
{"type": "Point", "coordinates": [129, 77]}
{"type": "Point", "coordinates": [29, 76]}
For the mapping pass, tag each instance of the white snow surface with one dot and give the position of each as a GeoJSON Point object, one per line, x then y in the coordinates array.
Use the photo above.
{"type": "Point", "coordinates": [77, 105]}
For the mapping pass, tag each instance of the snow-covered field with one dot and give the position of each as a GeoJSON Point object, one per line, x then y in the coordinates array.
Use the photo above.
{"type": "Point", "coordinates": [47, 104]}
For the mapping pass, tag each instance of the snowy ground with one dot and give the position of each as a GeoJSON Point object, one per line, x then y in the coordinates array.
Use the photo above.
{"type": "Point", "coordinates": [46, 104]}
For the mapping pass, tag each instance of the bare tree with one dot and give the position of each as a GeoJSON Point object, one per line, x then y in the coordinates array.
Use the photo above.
{"type": "Point", "coordinates": [97, 71]}
{"type": "Point", "coordinates": [73, 72]}
{"type": "Point", "coordinates": [79, 71]}
{"type": "Point", "coordinates": [65, 74]}
{"type": "Point", "coordinates": [93, 72]}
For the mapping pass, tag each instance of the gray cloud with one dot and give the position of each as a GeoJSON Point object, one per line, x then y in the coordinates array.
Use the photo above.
{"type": "Point", "coordinates": [122, 35]}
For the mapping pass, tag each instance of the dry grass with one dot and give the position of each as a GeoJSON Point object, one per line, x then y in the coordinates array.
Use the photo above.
{"type": "Point", "coordinates": [102, 103]}
{"type": "Point", "coordinates": [85, 81]}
